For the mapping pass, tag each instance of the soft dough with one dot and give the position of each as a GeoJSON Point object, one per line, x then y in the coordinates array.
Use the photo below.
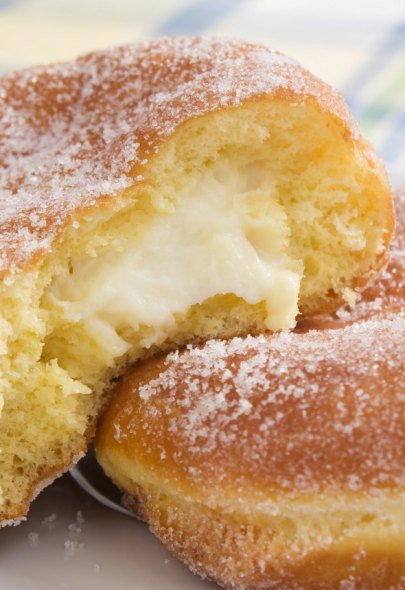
{"type": "Point", "coordinates": [157, 194]}
{"type": "Point", "coordinates": [276, 461]}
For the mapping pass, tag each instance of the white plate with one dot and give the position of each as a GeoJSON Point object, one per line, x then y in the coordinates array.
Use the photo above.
{"type": "Point", "coordinates": [97, 549]}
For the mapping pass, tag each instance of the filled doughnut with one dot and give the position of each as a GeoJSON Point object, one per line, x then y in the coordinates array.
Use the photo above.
{"type": "Point", "coordinates": [157, 194]}
{"type": "Point", "coordinates": [275, 461]}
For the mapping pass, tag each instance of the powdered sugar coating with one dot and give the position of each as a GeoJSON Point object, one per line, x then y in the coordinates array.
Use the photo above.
{"type": "Point", "coordinates": [299, 412]}
{"type": "Point", "coordinates": [72, 133]}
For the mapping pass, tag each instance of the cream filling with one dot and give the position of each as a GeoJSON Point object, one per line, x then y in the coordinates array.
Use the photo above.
{"type": "Point", "coordinates": [216, 240]}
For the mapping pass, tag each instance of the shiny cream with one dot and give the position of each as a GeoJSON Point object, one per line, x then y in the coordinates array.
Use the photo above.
{"type": "Point", "coordinates": [215, 241]}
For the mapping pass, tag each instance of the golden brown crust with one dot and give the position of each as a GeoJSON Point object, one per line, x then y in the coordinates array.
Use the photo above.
{"type": "Point", "coordinates": [234, 555]}
{"type": "Point", "coordinates": [64, 145]}
{"type": "Point", "coordinates": [217, 445]}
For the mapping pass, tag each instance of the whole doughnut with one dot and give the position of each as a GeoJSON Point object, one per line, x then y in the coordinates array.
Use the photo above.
{"type": "Point", "coordinates": [276, 461]}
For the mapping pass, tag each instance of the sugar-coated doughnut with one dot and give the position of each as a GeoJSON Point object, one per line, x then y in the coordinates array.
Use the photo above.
{"type": "Point", "coordinates": [276, 461]}
{"type": "Point", "coordinates": [157, 194]}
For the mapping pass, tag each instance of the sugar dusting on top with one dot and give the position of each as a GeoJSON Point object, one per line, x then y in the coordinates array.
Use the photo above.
{"type": "Point", "coordinates": [70, 133]}
{"type": "Point", "coordinates": [297, 411]}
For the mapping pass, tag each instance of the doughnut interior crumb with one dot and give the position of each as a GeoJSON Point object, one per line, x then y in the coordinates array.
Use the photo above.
{"type": "Point", "coordinates": [308, 203]}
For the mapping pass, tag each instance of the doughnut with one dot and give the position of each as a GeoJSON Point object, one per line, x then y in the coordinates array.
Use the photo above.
{"type": "Point", "coordinates": [275, 461]}
{"type": "Point", "coordinates": [159, 194]}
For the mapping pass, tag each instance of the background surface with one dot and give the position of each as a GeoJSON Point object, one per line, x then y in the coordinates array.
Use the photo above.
{"type": "Point", "coordinates": [68, 540]}
{"type": "Point", "coordinates": [356, 45]}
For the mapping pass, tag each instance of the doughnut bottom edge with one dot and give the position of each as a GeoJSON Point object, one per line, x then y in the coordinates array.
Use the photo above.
{"type": "Point", "coordinates": [240, 556]}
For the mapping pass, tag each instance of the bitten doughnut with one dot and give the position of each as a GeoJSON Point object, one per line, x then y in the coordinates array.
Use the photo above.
{"type": "Point", "coordinates": [157, 194]}
{"type": "Point", "coordinates": [275, 461]}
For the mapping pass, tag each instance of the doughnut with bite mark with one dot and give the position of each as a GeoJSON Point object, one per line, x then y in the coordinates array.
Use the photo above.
{"type": "Point", "coordinates": [157, 194]}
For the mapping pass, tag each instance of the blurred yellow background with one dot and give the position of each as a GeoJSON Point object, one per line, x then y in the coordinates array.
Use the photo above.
{"type": "Point", "coordinates": [357, 46]}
